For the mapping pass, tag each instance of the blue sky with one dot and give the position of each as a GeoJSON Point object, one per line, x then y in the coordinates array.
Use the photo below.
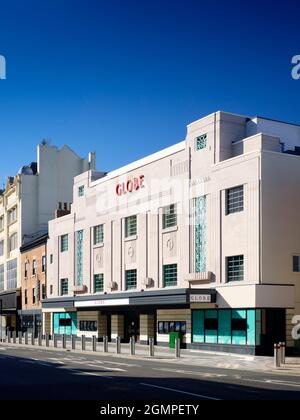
{"type": "Point", "coordinates": [125, 77]}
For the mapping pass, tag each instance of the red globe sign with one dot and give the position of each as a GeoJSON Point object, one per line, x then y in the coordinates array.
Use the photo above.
{"type": "Point", "coordinates": [130, 186]}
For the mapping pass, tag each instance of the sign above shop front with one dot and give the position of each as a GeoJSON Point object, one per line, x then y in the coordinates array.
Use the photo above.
{"type": "Point", "coordinates": [200, 299]}
{"type": "Point", "coordinates": [130, 186]}
{"type": "Point", "coordinates": [103, 302]}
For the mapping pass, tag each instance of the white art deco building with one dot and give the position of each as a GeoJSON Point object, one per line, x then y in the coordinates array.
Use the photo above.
{"type": "Point", "coordinates": [201, 240]}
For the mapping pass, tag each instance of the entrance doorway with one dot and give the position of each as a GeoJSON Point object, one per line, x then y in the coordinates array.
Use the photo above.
{"type": "Point", "coordinates": [132, 326]}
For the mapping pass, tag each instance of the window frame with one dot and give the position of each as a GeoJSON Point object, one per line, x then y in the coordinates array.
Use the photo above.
{"type": "Point", "coordinates": [201, 142]}
{"type": "Point", "coordinates": [233, 278]}
{"type": "Point", "coordinates": [298, 264]}
{"type": "Point", "coordinates": [169, 267]}
{"type": "Point", "coordinates": [99, 235]}
{"type": "Point", "coordinates": [132, 286]}
{"type": "Point", "coordinates": [64, 247]}
{"type": "Point", "coordinates": [130, 230]}
{"type": "Point", "coordinates": [81, 191]}
{"type": "Point", "coordinates": [234, 204]}
{"type": "Point", "coordinates": [101, 279]}
{"type": "Point", "coordinates": [62, 283]}
{"type": "Point", "coordinates": [169, 215]}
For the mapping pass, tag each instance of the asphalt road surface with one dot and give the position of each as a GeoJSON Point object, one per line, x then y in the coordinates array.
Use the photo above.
{"type": "Point", "coordinates": [38, 374]}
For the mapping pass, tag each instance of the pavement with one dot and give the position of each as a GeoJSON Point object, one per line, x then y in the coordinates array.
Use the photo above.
{"type": "Point", "coordinates": [36, 373]}
{"type": "Point", "coordinates": [190, 357]}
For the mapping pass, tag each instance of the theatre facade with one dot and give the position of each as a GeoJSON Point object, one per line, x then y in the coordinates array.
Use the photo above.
{"type": "Point", "coordinates": [196, 240]}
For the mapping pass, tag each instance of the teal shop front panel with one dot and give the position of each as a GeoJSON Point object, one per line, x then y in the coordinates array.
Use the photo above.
{"type": "Point", "coordinates": [239, 314]}
{"type": "Point", "coordinates": [68, 325]}
{"type": "Point", "coordinates": [211, 335]}
{"type": "Point", "coordinates": [239, 337]}
{"type": "Point", "coordinates": [251, 327]}
{"type": "Point", "coordinates": [198, 326]}
{"type": "Point", "coordinates": [74, 322]}
{"type": "Point", "coordinates": [56, 323]}
{"type": "Point", "coordinates": [258, 324]}
{"type": "Point", "coordinates": [224, 327]}
{"type": "Point", "coordinates": [62, 319]}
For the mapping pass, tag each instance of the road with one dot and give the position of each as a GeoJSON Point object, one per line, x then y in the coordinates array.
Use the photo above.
{"type": "Point", "coordinates": [38, 374]}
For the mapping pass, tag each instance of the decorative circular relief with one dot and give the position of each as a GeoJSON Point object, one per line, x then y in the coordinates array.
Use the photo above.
{"type": "Point", "coordinates": [170, 244]}
{"type": "Point", "coordinates": [131, 251]}
{"type": "Point", "coordinates": [99, 258]}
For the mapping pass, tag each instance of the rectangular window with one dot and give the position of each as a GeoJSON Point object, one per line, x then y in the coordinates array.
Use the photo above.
{"type": "Point", "coordinates": [98, 283]}
{"type": "Point", "coordinates": [235, 200]}
{"type": "Point", "coordinates": [98, 234]}
{"type": "Point", "coordinates": [1, 278]}
{"type": "Point", "coordinates": [1, 223]}
{"type": "Point", "coordinates": [226, 326]}
{"type": "Point", "coordinates": [12, 215]}
{"type": "Point", "coordinates": [169, 216]}
{"type": "Point", "coordinates": [33, 296]}
{"type": "Point", "coordinates": [26, 269]}
{"type": "Point", "coordinates": [64, 243]}
{"type": "Point", "coordinates": [170, 275]}
{"type": "Point", "coordinates": [34, 267]}
{"type": "Point", "coordinates": [51, 258]}
{"type": "Point", "coordinates": [235, 268]}
{"type": "Point", "coordinates": [43, 291]}
{"type": "Point", "coordinates": [81, 191]}
{"type": "Point", "coordinates": [201, 142]}
{"type": "Point", "coordinates": [211, 326]}
{"type": "Point", "coordinates": [44, 261]}
{"type": "Point", "coordinates": [79, 279]}
{"type": "Point", "coordinates": [12, 268]}
{"type": "Point", "coordinates": [90, 326]}
{"type": "Point", "coordinates": [239, 327]}
{"type": "Point", "coordinates": [64, 287]}
{"type": "Point", "coordinates": [1, 248]}
{"type": "Point", "coordinates": [130, 226]}
{"type": "Point", "coordinates": [296, 263]}
{"type": "Point", "coordinates": [25, 297]}
{"type": "Point", "coordinates": [13, 242]}
{"type": "Point", "coordinates": [51, 290]}
{"type": "Point", "coordinates": [131, 279]}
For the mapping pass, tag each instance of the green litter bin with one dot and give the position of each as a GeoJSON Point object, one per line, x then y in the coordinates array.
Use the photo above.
{"type": "Point", "coordinates": [172, 339]}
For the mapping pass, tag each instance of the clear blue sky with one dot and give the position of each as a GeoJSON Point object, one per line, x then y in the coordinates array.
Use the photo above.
{"type": "Point", "coordinates": [125, 77]}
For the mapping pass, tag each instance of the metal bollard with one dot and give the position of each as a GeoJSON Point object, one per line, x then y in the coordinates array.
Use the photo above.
{"type": "Point", "coordinates": [132, 346]}
{"type": "Point", "coordinates": [94, 343]}
{"type": "Point", "coordinates": [14, 337]}
{"type": "Point", "coordinates": [276, 355]}
{"type": "Point", "coordinates": [118, 345]}
{"type": "Point", "coordinates": [177, 347]}
{"type": "Point", "coordinates": [55, 340]}
{"type": "Point", "coordinates": [282, 353]}
{"type": "Point", "coordinates": [20, 337]}
{"type": "Point", "coordinates": [105, 344]}
{"type": "Point", "coordinates": [26, 337]}
{"type": "Point", "coordinates": [64, 341]}
{"type": "Point", "coordinates": [32, 339]}
{"type": "Point", "coordinates": [83, 342]}
{"type": "Point", "coordinates": [9, 337]}
{"type": "Point", "coordinates": [47, 340]}
{"type": "Point", "coordinates": [73, 342]}
{"type": "Point", "coordinates": [40, 339]}
{"type": "Point", "coordinates": [151, 347]}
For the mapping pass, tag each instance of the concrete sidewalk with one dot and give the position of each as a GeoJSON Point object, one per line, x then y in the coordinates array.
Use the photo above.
{"type": "Point", "coordinates": [188, 357]}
